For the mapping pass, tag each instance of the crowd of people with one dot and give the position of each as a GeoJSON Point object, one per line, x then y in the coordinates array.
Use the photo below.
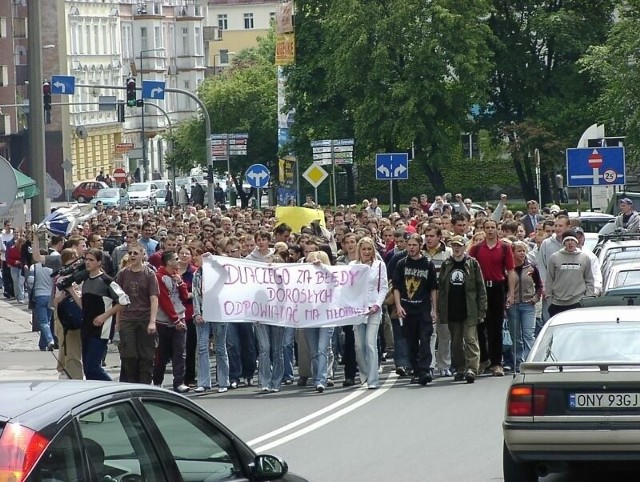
{"type": "Point", "coordinates": [443, 285]}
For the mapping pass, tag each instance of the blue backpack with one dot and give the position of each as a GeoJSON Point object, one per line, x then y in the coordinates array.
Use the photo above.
{"type": "Point", "coordinates": [69, 314]}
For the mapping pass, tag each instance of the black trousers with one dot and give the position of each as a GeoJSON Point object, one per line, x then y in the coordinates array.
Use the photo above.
{"type": "Point", "coordinates": [490, 333]}
{"type": "Point", "coordinates": [555, 309]}
{"type": "Point", "coordinates": [7, 280]}
{"type": "Point", "coordinates": [417, 329]}
{"type": "Point", "coordinates": [349, 352]}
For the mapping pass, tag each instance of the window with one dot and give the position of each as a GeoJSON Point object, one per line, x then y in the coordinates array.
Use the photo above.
{"type": "Point", "coordinates": [198, 40]}
{"type": "Point", "coordinates": [62, 459]}
{"type": "Point", "coordinates": [144, 40]}
{"type": "Point", "coordinates": [248, 20]}
{"type": "Point", "coordinates": [185, 41]}
{"type": "Point", "coordinates": [3, 26]}
{"type": "Point", "coordinates": [197, 446]}
{"type": "Point", "coordinates": [224, 57]}
{"type": "Point", "coordinates": [4, 76]}
{"type": "Point", "coordinates": [88, 29]}
{"type": "Point", "coordinates": [157, 31]}
{"type": "Point", "coordinates": [117, 444]}
{"type": "Point", "coordinates": [222, 21]}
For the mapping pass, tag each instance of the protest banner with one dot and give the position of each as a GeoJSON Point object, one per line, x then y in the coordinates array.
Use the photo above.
{"type": "Point", "coordinates": [297, 295]}
{"type": "Point", "coordinates": [298, 217]}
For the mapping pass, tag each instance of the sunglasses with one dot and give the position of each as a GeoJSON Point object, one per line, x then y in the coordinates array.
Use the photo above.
{"type": "Point", "coordinates": [134, 253]}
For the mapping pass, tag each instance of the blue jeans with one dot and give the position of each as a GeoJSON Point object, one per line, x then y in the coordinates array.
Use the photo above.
{"type": "Point", "coordinates": [289, 336]}
{"type": "Point", "coordinates": [400, 348]}
{"type": "Point", "coordinates": [270, 355]}
{"type": "Point", "coordinates": [203, 332]}
{"type": "Point", "coordinates": [241, 349]}
{"type": "Point", "coordinates": [17, 275]}
{"type": "Point", "coordinates": [522, 325]}
{"type": "Point", "coordinates": [319, 341]}
{"type": "Point", "coordinates": [43, 315]}
{"type": "Point", "coordinates": [92, 350]}
{"type": "Point", "coordinates": [366, 335]}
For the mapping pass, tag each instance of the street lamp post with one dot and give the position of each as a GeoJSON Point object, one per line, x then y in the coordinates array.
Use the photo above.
{"type": "Point", "coordinates": [145, 162]}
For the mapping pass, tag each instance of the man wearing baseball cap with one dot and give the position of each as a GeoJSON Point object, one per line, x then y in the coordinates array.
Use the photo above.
{"type": "Point", "coordinates": [629, 220]}
{"type": "Point", "coordinates": [569, 276]}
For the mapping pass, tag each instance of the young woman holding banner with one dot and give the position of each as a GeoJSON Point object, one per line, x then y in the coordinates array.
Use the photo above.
{"type": "Point", "coordinates": [366, 333]}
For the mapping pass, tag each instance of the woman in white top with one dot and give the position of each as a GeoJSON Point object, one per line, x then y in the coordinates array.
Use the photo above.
{"type": "Point", "coordinates": [366, 333]}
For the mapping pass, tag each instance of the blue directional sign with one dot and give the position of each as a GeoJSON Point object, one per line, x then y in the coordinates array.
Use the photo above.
{"type": "Point", "coordinates": [257, 176]}
{"type": "Point", "coordinates": [153, 89]}
{"type": "Point", "coordinates": [63, 84]}
{"type": "Point", "coordinates": [595, 166]}
{"type": "Point", "coordinates": [393, 166]}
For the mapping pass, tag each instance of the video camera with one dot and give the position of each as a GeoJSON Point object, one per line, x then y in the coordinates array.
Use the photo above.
{"type": "Point", "coordinates": [75, 272]}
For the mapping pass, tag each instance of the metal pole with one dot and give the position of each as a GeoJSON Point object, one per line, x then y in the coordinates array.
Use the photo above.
{"type": "Point", "coordinates": [298, 184]}
{"type": "Point", "coordinates": [39, 204]}
{"type": "Point", "coordinates": [391, 197]}
{"type": "Point", "coordinates": [227, 152]}
{"type": "Point", "coordinates": [143, 140]}
{"type": "Point", "coordinates": [538, 181]}
{"type": "Point", "coordinates": [333, 175]}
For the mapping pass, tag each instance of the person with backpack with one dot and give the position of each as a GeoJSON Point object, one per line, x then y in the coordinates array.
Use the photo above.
{"type": "Point", "coordinates": [136, 323]}
{"type": "Point", "coordinates": [69, 316]}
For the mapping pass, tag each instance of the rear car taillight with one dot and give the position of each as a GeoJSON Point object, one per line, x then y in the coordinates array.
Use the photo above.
{"type": "Point", "coordinates": [20, 449]}
{"type": "Point", "coordinates": [527, 401]}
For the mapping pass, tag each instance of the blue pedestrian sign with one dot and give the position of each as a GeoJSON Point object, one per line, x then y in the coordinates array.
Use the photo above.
{"type": "Point", "coordinates": [595, 166]}
{"type": "Point", "coordinates": [153, 89]}
{"type": "Point", "coordinates": [390, 167]}
{"type": "Point", "coordinates": [63, 84]}
{"type": "Point", "coordinates": [257, 176]}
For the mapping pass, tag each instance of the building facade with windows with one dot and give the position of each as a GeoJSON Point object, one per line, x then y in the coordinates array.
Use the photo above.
{"type": "Point", "coordinates": [236, 25]}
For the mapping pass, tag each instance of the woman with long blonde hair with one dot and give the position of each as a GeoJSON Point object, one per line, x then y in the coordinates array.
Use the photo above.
{"type": "Point", "coordinates": [366, 334]}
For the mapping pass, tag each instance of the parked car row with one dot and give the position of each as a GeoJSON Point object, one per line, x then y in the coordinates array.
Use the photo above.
{"type": "Point", "coordinates": [576, 399]}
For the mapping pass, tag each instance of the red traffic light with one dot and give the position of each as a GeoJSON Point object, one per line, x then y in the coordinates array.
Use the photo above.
{"type": "Point", "coordinates": [46, 87]}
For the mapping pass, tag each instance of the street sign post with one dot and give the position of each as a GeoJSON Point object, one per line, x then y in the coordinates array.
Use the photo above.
{"type": "Point", "coordinates": [329, 152]}
{"type": "Point", "coordinates": [390, 167]}
{"type": "Point", "coordinates": [315, 175]}
{"type": "Point", "coordinates": [601, 166]}
{"type": "Point", "coordinates": [153, 89]}
{"type": "Point", "coordinates": [63, 84]}
{"type": "Point", "coordinates": [258, 176]}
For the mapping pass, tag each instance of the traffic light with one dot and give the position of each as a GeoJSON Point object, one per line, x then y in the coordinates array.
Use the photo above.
{"type": "Point", "coordinates": [131, 92]}
{"type": "Point", "coordinates": [46, 100]}
{"type": "Point", "coordinates": [210, 174]}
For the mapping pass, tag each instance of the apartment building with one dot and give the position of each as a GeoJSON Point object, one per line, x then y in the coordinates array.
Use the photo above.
{"type": "Point", "coordinates": [234, 25]}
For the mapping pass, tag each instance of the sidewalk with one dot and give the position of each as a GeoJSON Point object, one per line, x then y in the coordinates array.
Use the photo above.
{"type": "Point", "coordinates": [20, 357]}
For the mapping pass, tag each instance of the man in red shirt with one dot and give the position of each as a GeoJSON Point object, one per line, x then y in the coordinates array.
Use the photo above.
{"type": "Point", "coordinates": [496, 262]}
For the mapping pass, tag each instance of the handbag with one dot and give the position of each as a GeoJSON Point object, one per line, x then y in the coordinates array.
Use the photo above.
{"type": "Point", "coordinates": [506, 335]}
{"type": "Point", "coordinates": [32, 296]}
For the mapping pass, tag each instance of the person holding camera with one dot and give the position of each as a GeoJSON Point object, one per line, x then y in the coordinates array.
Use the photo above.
{"type": "Point", "coordinates": [101, 299]}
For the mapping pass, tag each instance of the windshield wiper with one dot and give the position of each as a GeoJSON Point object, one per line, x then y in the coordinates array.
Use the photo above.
{"type": "Point", "coordinates": [549, 354]}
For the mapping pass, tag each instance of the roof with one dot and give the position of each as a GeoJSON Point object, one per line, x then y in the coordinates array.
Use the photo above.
{"type": "Point", "coordinates": [593, 315]}
{"type": "Point", "coordinates": [20, 397]}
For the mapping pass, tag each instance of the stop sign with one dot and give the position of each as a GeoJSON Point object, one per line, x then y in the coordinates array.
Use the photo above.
{"type": "Point", "coordinates": [595, 159]}
{"type": "Point", "coordinates": [120, 175]}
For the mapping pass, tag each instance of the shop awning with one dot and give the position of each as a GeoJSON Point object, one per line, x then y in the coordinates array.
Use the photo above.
{"type": "Point", "coordinates": [26, 186]}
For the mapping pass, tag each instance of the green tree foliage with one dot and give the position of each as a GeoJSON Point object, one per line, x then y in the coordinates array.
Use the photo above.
{"type": "Point", "coordinates": [394, 72]}
{"type": "Point", "coordinates": [538, 92]}
{"type": "Point", "coordinates": [616, 66]}
{"type": "Point", "coordinates": [241, 99]}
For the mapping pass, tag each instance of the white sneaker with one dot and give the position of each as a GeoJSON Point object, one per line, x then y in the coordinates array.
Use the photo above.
{"type": "Point", "coordinates": [222, 389]}
{"type": "Point", "coordinates": [182, 388]}
{"type": "Point", "coordinates": [200, 389]}
{"type": "Point", "coordinates": [445, 372]}
{"type": "Point", "coordinates": [265, 389]}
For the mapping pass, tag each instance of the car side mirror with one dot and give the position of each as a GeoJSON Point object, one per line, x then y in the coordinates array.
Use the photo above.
{"type": "Point", "coordinates": [269, 467]}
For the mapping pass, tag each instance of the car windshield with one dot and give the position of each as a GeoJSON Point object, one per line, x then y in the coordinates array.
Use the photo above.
{"type": "Point", "coordinates": [138, 188]}
{"type": "Point", "coordinates": [161, 193]}
{"type": "Point", "coordinates": [601, 341]}
{"type": "Point", "coordinates": [107, 193]}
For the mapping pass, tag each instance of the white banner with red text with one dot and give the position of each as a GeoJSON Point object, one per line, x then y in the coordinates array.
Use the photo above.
{"type": "Point", "coordinates": [297, 295]}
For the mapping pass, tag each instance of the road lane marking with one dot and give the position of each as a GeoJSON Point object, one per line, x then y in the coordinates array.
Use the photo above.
{"type": "Point", "coordinates": [311, 416]}
{"type": "Point", "coordinates": [320, 423]}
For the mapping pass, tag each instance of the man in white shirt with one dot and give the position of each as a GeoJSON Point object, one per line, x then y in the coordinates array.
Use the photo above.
{"type": "Point", "coordinates": [373, 209]}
